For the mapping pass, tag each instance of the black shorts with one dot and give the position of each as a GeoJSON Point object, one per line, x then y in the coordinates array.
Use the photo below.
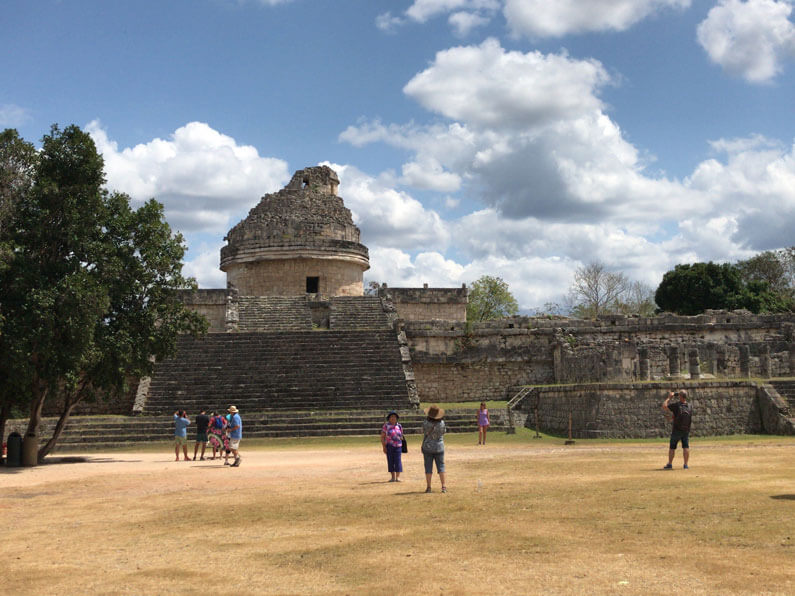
{"type": "Point", "coordinates": [679, 435]}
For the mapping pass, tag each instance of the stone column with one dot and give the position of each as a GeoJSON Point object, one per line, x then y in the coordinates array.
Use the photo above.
{"type": "Point", "coordinates": [792, 359]}
{"type": "Point", "coordinates": [693, 364]}
{"type": "Point", "coordinates": [643, 364]}
{"type": "Point", "coordinates": [721, 360]}
{"type": "Point", "coordinates": [745, 361]}
{"type": "Point", "coordinates": [764, 362]}
{"type": "Point", "coordinates": [712, 348]}
{"type": "Point", "coordinates": [673, 361]}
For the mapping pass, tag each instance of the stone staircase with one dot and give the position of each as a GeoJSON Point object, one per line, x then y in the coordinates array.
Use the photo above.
{"type": "Point", "coordinates": [103, 432]}
{"type": "Point", "coordinates": [357, 312]}
{"type": "Point", "coordinates": [786, 389]}
{"type": "Point", "coordinates": [273, 313]}
{"type": "Point", "coordinates": [298, 370]}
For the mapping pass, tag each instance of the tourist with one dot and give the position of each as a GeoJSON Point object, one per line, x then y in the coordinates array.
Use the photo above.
{"type": "Point", "coordinates": [181, 422]}
{"type": "Point", "coordinates": [235, 434]}
{"type": "Point", "coordinates": [680, 431]}
{"type": "Point", "coordinates": [216, 433]}
{"type": "Point", "coordinates": [202, 422]}
{"type": "Point", "coordinates": [483, 423]}
{"type": "Point", "coordinates": [433, 445]}
{"type": "Point", "coordinates": [392, 442]}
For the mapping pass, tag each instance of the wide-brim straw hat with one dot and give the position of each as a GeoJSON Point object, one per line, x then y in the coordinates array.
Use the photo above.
{"type": "Point", "coordinates": [435, 413]}
{"type": "Point", "coordinates": [232, 409]}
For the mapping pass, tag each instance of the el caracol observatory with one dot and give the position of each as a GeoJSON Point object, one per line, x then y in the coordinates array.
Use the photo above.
{"type": "Point", "coordinates": [299, 240]}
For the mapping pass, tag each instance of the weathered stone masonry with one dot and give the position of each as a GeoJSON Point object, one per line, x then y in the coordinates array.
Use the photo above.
{"type": "Point", "coordinates": [453, 361]}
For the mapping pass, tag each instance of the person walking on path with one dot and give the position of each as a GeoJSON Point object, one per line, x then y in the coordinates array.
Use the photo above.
{"type": "Point", "coordinates": [181, 422]}
{"type": "Point", "coordinates": [483, 423]}
{"type": "Point", "coordinates": [202, 423]}
{"type": "Point", "coordinates": [433, 430]}
{"type": "Point", "coordinates": [682, 416]}
{"type": "Point", "coordinates": [235, 433]}
{"type": "Point", "coordinates": [392, 442]}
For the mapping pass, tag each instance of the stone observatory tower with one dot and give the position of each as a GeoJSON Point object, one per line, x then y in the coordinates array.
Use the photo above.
{"type": "Point", "coordinates": [300, 240]}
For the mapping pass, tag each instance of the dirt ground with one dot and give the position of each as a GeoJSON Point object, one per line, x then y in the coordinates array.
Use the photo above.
{"type": "Point", "coordinates": [519, 519]}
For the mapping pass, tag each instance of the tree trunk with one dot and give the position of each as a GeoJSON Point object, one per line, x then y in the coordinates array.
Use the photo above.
{"type": "Point", "coordinates": [39, 395]}
{"type": "Point", "coordinates": [70, 401]}
{"type": "Point", "coordinates": [59, 426]}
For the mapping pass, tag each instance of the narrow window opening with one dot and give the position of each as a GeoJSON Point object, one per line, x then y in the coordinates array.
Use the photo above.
{"type": "Point", "coordinates": [312, 285]}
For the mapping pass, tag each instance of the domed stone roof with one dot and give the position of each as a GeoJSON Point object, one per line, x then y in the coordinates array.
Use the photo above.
{"type": "Point", "coordinates": [305, 217]}
{"type": "Point", "coordinates": [299, 240]}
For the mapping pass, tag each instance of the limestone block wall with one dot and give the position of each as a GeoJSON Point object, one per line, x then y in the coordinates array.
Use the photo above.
{"type": "Point", "coordinates": [634, 410]}
{"type": "Point", "coordinates": [209, 303]}
{"type": "Point", "coordinates": [288, 277]}
{"type": "Point", "coordinates": [427, 304]}
{"type": "Point", "coordinates": [475, 381]}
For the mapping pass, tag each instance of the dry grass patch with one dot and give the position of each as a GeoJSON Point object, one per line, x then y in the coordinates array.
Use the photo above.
{"type": "Point", "coordinates": [521, 517]}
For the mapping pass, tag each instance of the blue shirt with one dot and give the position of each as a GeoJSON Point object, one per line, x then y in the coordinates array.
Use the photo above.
{"type": "Point", "coordinates": [180, 426]}
{"type": "Point", "coordinates": [235, 421]}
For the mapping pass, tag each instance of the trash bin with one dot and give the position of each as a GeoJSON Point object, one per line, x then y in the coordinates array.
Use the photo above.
{"type": "Point", "coordinates": [30, 450]}
{"type": "Point", "coordinates": [14, 450]}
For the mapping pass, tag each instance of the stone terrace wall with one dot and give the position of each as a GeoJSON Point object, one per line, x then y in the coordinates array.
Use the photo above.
{"type": "Point", "coordinates": [211, 304]}
{"type": "Point", "coordinates": [634, 410]}
{"type": "Point", "coordinates": [482, 358]}
{"type": "Point", "coordinates": [426, 304]}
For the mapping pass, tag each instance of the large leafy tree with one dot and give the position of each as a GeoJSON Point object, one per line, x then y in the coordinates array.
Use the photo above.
{"type": "Point", "coordinates": [490, 298]}
{"type": "Point", "coordinates": [776, 268]}
{"type": "Point", "coordinates": [90, 291]}
{"type": "Point", "coordinates": [17, 163]}
{"type": "Point", "coordinates": [690, 289]}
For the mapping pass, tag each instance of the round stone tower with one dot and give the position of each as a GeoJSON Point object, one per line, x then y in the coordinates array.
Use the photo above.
{"type": "Point", "coordinates": [296, 241]}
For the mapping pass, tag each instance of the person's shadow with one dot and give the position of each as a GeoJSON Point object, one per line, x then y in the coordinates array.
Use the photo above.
{"type": "Point", "coordinates": [783, 497]}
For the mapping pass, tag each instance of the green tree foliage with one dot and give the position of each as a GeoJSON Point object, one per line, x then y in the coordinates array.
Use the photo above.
{"type": "Point", "coordinates": [90, 295]}
{"type": "Point", "coordinates": [776, 268]}
{"type": "Point", "coordinates": [490, 298]}
{"type": "Point", "coordinates": [692, 289]}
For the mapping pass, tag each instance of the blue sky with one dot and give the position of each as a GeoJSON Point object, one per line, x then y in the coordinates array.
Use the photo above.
{"type": "Point", "coordinates": [519, 138]}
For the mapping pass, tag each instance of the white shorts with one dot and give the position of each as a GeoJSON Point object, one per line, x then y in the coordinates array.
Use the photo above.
{"type": "Point", "coordinates": [234, 444]}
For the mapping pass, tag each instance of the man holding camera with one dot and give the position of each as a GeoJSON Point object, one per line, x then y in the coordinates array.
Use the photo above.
{"type": "Point", "coordinates": [682, 413]}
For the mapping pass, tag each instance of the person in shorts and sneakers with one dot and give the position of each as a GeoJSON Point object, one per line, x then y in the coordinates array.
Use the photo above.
{"type": "Point", "coordinates": [683, 414]}
{"type": "Point", "coordinates": [202, 424]}
{"type": "Point", "coordinates": [235, 433]}
{"type": "Point", "coordinates": [181, 422]}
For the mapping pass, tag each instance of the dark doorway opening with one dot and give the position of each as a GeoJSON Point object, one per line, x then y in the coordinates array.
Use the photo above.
{"type": "Point", "coordinates": [312, 285]}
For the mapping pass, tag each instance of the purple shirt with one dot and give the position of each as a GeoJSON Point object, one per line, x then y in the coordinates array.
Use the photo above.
{"type": "Point", "coordinates": [394, 434]}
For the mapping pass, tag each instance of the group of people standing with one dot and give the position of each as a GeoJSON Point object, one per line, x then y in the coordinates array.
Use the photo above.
{"type": "Point", "coordinates": [394, 444]}
{"type": "Point", "coordinates": [221, 432]}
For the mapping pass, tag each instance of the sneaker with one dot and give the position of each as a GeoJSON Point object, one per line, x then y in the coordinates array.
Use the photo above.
{"type": "Point", "coordinates": [237, 463]}
{"type": "Point", "coordinates": [444, 490]}
{"type": "Point", "coordinates": [427, 490]}
{"type": "Point", "coordinates": [392, 480]}
{"type": "Point", "coordinates": [686, 468]}
{"type": "Point", "coordinates": [226, 463]}
{"type": "Point", "coordinates": [668, 467]}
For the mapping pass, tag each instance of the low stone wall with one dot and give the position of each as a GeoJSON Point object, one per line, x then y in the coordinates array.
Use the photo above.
{"type": "Point", "coordinates": [634, 410]}
{"type": "Point", "coordinates": [475, 381]}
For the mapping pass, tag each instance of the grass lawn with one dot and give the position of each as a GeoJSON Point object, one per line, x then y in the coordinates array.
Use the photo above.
{"type": "Point", "coordinates": [303, 516]}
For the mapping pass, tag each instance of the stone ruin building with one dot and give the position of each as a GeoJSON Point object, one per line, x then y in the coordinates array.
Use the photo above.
{"type": "Point", "coordinates": [296, 344]}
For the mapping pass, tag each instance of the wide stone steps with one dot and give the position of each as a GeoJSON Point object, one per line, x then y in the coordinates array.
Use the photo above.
{"type": "Point", "coordinates": [357, 312]}
{"type": "Point", "coordinates": [281, 370]}
{"type": "Point", "coordinates": [104, 432]}
{"type": "Point", "coordinates": [274, 313]}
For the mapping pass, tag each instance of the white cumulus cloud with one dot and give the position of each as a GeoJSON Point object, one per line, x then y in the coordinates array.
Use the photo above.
{"type": "Point", "coordinates": [545, 18]}
{"type": "Point", "coordinates": [749, 39]}
{"type": "Point", "coordinates": [201, 176]}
